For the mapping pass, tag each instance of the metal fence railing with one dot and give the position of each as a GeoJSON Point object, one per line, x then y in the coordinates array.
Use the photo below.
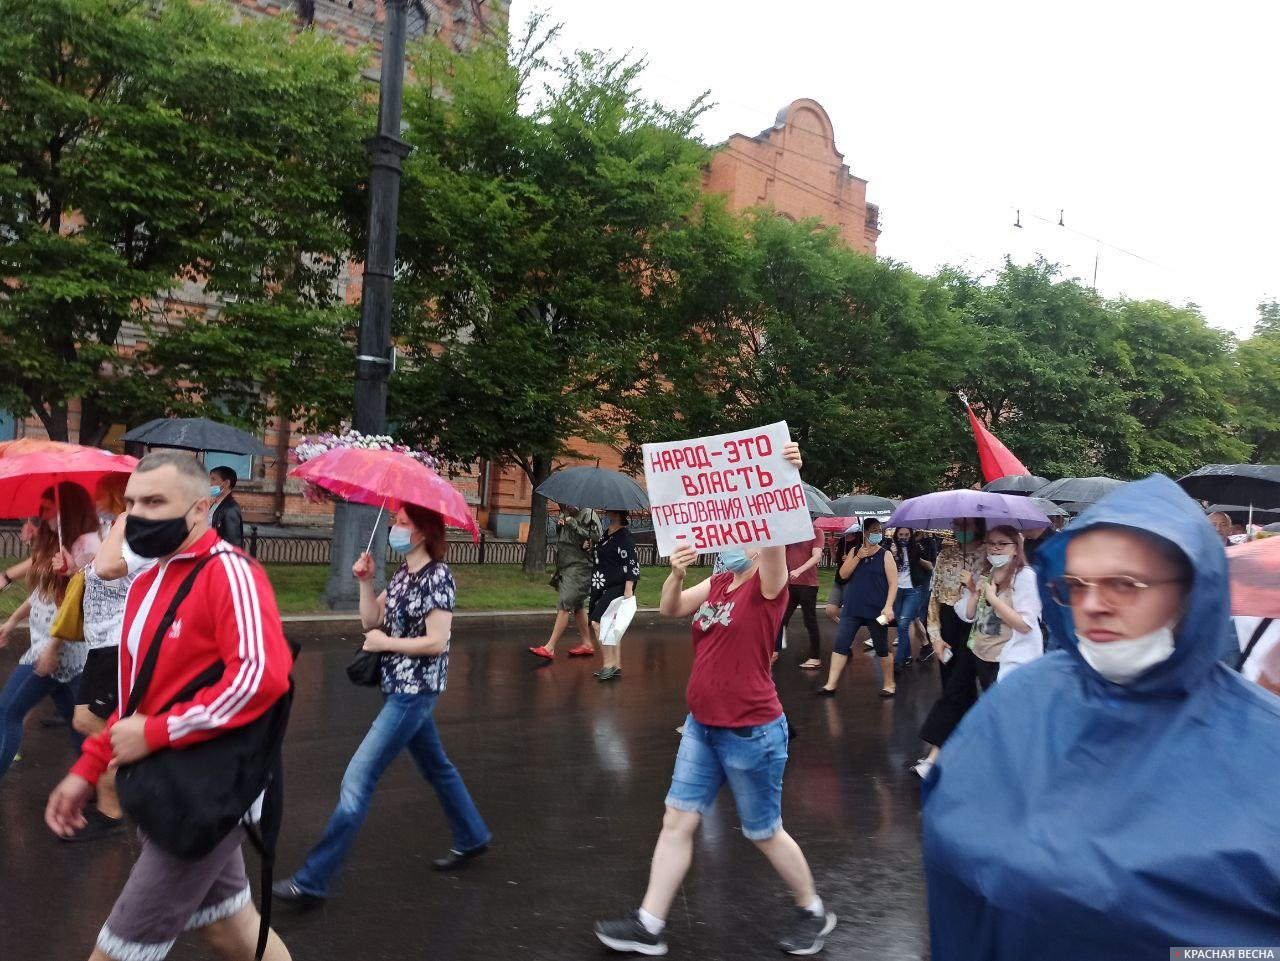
{"type": "Point", "coordinates": [275, 549]}
{"type": "Point", "coordinates": [272, 549]}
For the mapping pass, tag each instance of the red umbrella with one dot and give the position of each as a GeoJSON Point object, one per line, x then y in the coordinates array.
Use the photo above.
{"type": "Point", "coordinates": [25, 477]}
{"type": "Point", "coordinates": [387, 478]}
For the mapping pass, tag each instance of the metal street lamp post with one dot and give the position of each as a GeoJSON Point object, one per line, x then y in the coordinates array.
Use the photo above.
{"type": "Point", "coordinates": [352, 523]}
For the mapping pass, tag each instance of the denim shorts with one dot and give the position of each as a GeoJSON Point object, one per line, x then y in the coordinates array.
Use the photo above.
{"type": "Point", "coordinates": [751, 759]}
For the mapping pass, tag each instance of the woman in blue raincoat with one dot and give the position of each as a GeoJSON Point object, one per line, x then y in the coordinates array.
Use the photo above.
{"type": "Point", "coordinates": [1121, 796]}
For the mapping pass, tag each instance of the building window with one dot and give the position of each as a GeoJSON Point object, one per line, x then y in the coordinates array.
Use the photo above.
{"type": "Point", "coordinates": [8, 426]}
{"type": "Point", "coordinates": [242, 464]}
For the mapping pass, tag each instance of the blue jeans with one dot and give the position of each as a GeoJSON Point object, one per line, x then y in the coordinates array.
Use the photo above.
{"type": "Point", "coordinates": [751, 759]}
{"type": "Point", "coordinates": [405, 721]}
{"type": "Point", "coordinates": [906, 608]}
{"type": "Point", "coordinates": [24, 691]}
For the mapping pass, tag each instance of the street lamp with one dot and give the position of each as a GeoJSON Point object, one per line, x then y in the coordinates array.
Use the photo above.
{"type": "Point", "coordinates": [352, 523]}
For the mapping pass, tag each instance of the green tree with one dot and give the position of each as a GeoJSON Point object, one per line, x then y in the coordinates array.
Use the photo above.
{"type": "Point", "coordinates": [1176, 372]}
{"type": "Point", "coordinates": [1040, 361]}
{"type": "Point", "coordinates": [1268, 322]}
{"type": "Point", "coordinates": [1258, 385]}
{"type": "Point", "coordinates": [532, 235]}
{"type": "Point", "coordinates": [771, 319]}
{"type": "Point", "coordinates": [158, 155]}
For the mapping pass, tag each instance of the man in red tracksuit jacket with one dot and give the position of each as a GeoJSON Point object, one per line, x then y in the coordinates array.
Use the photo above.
{"type": "Point", "coordinates": [230, 615]}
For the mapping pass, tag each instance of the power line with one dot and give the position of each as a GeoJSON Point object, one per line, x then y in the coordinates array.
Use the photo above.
{"type": "Point", "coordinates": [1098, 240]}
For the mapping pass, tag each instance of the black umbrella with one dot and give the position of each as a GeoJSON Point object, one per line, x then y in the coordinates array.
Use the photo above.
{"type": "Point", "coordinates": [596, 487]}
{"type": "Point", "coordinates": [819, 504]}
{"type": "Point", "coordinates": [197, 433]}
{"type": "Point", "coordinates": [856, 505]}
{"type": "Point", "coordinates": [1078, 490]}
{"type": "Point", "coordinates": [1239, 513]}
{"type": "Point", "coordinates": [1050, 508]}
{"type": "Point", "coordinates": [1257, 484]}
{"type": "Point", "coordinates": [1024, 484]}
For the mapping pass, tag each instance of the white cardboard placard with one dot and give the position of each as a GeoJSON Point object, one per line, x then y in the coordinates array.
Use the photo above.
{"type": "Point", "coordinates": [730, 490]}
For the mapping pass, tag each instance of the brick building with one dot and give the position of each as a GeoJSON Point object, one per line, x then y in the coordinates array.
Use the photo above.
{"type": "Point", "coordinates": [265, 493]}
{"type": "Point", "coordinates": [795, 168]}
{"type": "Point", "coordinates": [792, 167]}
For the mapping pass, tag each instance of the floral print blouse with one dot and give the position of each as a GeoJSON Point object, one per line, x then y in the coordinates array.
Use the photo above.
{"type": "Point", "coordinates": [410, 598]}
{"type": "Point", "coordinates": [947, 585]}
{"type": "Point", "coordinates": [615, 561]}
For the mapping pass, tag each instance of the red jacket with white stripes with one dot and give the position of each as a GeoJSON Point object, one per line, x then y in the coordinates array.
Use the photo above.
{"type": "Point", "coordinates": [229, 617]}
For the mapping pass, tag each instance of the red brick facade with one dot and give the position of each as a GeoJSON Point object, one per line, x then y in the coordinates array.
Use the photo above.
{"type": "Point", "coordinates": [793, 167]}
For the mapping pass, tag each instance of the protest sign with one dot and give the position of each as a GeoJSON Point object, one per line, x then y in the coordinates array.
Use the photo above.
{"type": "Point", "coordinates": [730, 490]}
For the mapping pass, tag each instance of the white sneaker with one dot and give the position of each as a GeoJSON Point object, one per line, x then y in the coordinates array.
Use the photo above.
{"type": "Point", "coordinates": [923, 767]}
{"type": "Point", "coordinates": [869, 644]}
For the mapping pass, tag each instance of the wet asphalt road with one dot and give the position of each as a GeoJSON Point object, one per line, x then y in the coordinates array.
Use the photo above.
{"type": "Point", "coordinates": [570, 775]}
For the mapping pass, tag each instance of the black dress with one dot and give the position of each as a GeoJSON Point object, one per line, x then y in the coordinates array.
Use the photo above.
{"type": "Point", "coordinates": [614, 564]}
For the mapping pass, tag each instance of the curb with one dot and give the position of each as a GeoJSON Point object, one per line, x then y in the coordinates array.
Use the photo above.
{"type": "Point", "coordinates": [343, 617]}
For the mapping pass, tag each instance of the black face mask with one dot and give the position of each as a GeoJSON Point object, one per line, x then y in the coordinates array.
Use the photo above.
{"type": "Point", "coordinates": [155, 538]}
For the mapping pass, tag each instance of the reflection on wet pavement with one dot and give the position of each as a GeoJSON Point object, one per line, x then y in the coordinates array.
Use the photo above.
{"type": "Point", "coordinates": [570, 774]}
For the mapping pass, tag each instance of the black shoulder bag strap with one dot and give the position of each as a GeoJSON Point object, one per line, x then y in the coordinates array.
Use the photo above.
{"type": "Point", "coordinates": [264, 842]}
{"type": "Point", "coordinates": [142, 680]}
{"type": "Point", "coordinates": [1258, 631]}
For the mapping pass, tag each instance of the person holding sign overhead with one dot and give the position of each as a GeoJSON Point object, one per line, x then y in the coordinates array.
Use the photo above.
{"type": "Point", "coordinates": [735, 733]}
{"type": "Point", "coordinates": [871, 586]}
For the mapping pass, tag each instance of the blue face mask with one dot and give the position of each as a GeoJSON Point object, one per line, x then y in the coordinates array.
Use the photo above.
{"type": "Point", "coordinates": [874, 538]}
{"type": "Point", "coordinates": [400, 539]}
{"type": "Point", "coordinates": [735, 560]}
{"type": "Point", "coordinates": [215, 491]}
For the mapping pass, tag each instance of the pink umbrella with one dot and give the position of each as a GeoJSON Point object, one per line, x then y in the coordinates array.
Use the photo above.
{"type": "Point", "coordinates": [387, 479]}
{"type": "Point", "coordinates": [834, 525]}
{"type": "Point", "coordinates": [1255, 578]}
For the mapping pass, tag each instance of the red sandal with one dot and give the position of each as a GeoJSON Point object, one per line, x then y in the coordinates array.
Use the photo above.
{"type": "Point", "coordinates": [543, 653]}
{"type": "Point", "coordinates": [583, 650]}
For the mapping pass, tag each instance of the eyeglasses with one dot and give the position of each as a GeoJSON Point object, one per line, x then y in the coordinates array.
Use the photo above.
{"type": "Point", "coordinates": [1116, 590]}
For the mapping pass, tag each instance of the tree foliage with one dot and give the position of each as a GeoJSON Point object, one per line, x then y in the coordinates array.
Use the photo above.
{"type": "Point", "coordinates": [533, 228]}
{"type": "Point", "coordinates": [155, 157]}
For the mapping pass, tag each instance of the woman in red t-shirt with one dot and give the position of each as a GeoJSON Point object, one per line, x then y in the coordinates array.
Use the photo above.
{"type": "Point", "coordinates": [735, 733]}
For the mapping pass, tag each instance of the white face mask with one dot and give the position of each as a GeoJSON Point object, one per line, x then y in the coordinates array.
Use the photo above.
{"type": "Point", "coordinates": [999, 560]}
{"type": "Point", "coordinates": [1122, 662]}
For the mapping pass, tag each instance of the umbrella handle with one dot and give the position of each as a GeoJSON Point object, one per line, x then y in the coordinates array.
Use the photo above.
{"type": "Point", "coordinates": [377, 520]}
{"type": "Point", "coordinates": [57, 514]}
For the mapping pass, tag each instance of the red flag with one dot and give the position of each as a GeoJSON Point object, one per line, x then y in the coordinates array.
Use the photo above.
{"type": "Point", "coordinates": [997, 460]}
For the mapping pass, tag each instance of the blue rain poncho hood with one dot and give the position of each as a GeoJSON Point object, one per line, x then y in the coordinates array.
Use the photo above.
{"type": "Point", "coordinates": [1070, 817]}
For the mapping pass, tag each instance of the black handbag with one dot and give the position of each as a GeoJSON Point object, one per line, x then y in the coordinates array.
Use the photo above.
{"type": "Point", "coordinates": [365, 669]}
{"type": "Point", "coordinates": [187, 800]}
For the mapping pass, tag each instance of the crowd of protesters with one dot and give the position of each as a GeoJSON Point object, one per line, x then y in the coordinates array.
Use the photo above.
{"type": "Point", "coordinates": [1048, 831]}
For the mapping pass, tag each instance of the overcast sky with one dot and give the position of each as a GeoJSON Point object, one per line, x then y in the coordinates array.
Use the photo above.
{"type": "Point", "coordinates": [1153, 125]}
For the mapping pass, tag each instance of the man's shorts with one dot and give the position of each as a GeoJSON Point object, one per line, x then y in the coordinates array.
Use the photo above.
{"type": "Point", "coordinates": [167, 895]}
{"type": "Point", "coordinates": [836, 597]}
{"type": "Point", "coordinates": [751, 759]}
{"type": "Point", "coordinates": [100, 681]}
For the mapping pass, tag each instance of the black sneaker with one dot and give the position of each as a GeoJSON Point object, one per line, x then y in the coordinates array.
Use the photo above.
{"type": "Point", "coordinates": [287, 893]}
{"type": "Point", "coordinates": [628, 934]}
{"type": "Point", "coordinates": [808, 934]}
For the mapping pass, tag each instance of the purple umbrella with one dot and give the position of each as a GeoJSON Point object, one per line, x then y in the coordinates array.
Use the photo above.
{"type": "Point", "coordinates": [942, 508]}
